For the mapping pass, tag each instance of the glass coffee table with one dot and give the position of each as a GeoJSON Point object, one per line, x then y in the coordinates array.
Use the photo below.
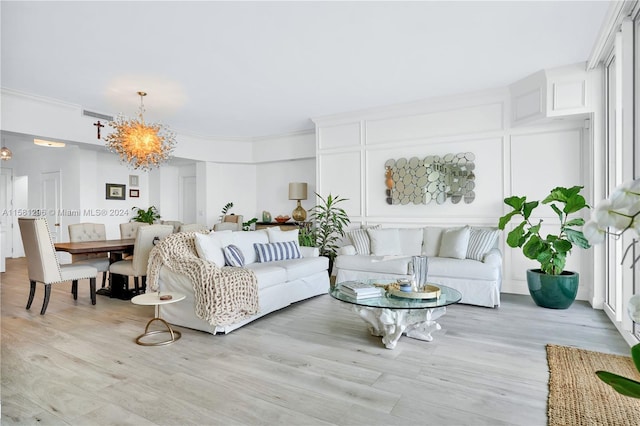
{"type": "Point", "coordinates": [390, 316]}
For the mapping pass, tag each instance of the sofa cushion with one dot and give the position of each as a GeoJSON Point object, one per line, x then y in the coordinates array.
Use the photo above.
{"type": "Point", "coordinates": [410, 241]}
{"type": "Point", "coordinates": [454, 243]}
{"type": "Point", "coordinates": [431, 238]}
{"type": "Point", "coordinates": [384, 241]}
{"type": "Point", "coordinates": [233, 256]}
{"type": "Point", "coordinates": [209, 246]}
{"type": "Point", "coordinates": [244, 240]}
{"type": "Point", "coordinates": [277, 235]}
{"type": "Point", "coordinates": [268, 274]}
{"type": "Point", "coordinates": [481, 240]}
{"type": "Point", "coordinates": [463, 269]}
{"type": "Point", "coordinates": [277, 251]}
{"type": "Point", "coordinates": [303, 267]}
{"type": "Point", "coordinates": [385, 264]}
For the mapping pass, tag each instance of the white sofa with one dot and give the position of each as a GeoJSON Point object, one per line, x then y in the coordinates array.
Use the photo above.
{"type": "Point", "coordinates": [280, 283]}
{"type": "Point", "coordinates": [465, 258]}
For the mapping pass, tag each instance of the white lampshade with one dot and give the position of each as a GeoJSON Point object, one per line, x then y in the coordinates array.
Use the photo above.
{"type": "Point", "coordinates": [298, 191]}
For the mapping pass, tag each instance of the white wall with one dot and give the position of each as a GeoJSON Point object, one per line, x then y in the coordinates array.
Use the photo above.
{"type": "Point", "coordinates": [526, 160]}
{"type": "Point", "coordinates": [272, 184]}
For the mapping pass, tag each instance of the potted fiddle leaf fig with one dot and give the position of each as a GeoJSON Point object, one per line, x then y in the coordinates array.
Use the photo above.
{"type": "Point", "coordinates": [550, 286]}
{"type": "Point", "coordinates": [149, 215]}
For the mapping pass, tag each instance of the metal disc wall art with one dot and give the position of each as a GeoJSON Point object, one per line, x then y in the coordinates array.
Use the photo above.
{"type": "Point", "coordinates": [432, 178]}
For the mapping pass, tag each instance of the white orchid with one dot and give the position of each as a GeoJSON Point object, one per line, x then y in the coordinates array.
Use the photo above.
{"type": "Point", "coordinates": [616, 214]}
{"type": "Point", "coordinates": [607, 216]}
{"type": "Point", "coordinates": [593, 232]}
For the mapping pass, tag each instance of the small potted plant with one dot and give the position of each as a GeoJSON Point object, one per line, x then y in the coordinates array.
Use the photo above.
{"type": "Point", "coordinates": [550, 286]}
{"type": "Point", "coordinates": [330, 222]}
{"type": "Point", "coordinates": [146, 216]}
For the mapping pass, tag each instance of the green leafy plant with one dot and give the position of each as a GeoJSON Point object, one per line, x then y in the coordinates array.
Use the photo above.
{"type": "Point", "coordinates": [247, 225]}
{"type": "Point", "coordinates": [307, 236]}
{"type": "Point", "coordinates": [149, 215]}
{"type": "Point", "coordinates": [550, 251]}
{"type": "Point", "coordinates": [225, 210]}
{"type": "Point", "coordinates": [620, 384]}
{"type": "Point", "coordinates": [330, 221]}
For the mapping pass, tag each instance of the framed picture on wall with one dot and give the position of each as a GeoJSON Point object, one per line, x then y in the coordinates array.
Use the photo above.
{"type": "Point", "coordinates": [134, 193]}
{"type": "Point", "coordinates": [116, 191]}
{"type": "Point", "coordinates": [133, 180]}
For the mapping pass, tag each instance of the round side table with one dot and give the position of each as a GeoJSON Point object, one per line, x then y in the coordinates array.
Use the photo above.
{"type": "Point", "coordinates": [154, 299]}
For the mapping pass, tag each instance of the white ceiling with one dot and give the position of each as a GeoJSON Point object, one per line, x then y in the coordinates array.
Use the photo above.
{"type": "Point", "coordinates": [250, 69]}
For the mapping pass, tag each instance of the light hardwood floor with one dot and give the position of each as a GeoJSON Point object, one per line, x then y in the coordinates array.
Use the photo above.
{"type": "Point", "coordinates": [311, 363]}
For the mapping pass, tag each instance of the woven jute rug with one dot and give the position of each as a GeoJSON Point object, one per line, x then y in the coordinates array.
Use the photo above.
{"type": "Point", "coordinates": [578, 397]}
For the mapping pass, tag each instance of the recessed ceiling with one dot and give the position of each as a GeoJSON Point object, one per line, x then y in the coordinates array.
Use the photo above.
{"type": "Point", "coordinates": [250, 69]}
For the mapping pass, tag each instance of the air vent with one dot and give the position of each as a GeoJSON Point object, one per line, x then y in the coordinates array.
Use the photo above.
{"type": "Point", "coordinates": [97, 115]}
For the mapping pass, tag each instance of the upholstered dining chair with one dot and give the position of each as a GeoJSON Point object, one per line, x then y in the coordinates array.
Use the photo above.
{"type": "Point", "coordinates": [175, 223]}
{"type": "Point", "coordinates": [43, 265]}
{"type": "Point", "coordinates": [229, 222]}
{"type": "Point", "coordinates": [137, 267]}
{"type": "Point", "coordinates": [130, 230]}
{"type": "Point", "coordinates": [194, 227]}
{"type": "Point", "coordinates": [90, 232]}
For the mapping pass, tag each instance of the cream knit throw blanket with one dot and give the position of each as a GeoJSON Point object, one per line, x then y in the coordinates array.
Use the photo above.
{"type": "Point", "coordinates": [222, 295]}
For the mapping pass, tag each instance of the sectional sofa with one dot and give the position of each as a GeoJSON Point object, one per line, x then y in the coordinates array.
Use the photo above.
{"type": "Point", "coordinates": [465, 258]}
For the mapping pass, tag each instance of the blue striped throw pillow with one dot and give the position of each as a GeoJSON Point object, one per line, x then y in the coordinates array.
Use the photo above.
{"type": "Point", "coordinates": [233, 256]}
{"type": "Point", "coordinates": [277, 251]}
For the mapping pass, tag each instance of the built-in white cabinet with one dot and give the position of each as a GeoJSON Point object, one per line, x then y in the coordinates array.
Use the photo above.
{"type": "Point", "coordinates": [551, 94]}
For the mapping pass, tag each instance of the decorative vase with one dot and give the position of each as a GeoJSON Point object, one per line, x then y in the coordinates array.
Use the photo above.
{"type": "Point", "coordinates": [266, 216]}
{"type": "Point", "coordinates": [553, 291]}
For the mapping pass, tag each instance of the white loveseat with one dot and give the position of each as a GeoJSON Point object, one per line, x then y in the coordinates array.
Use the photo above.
{"type": "Point", "coordinates": [464, 258]}
{"type": "Point", "coordinates": [280, 283]}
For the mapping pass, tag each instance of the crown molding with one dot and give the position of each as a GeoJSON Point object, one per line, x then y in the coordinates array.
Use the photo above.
{"type": "Point", "coordinates": [618, 11]}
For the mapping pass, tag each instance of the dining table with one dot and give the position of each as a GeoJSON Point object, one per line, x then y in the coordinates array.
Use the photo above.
{"type": "Point", "coordinates": [118, 286]}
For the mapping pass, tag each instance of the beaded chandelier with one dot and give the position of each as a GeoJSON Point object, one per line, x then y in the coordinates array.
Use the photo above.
{"type": "Point", "coordinates": [142, 146]}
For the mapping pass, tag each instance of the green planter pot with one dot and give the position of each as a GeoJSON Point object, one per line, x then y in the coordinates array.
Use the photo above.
{"type": "Point", "coordinates": [553, 291]}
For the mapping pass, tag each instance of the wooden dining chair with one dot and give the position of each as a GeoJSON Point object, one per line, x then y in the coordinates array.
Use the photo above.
{"type": "Point", "coordinates": [137, 267]}
{"type": "Point", "coordinates": [79, 232]}
{"type": "Point", "coordinates": [43, 265]}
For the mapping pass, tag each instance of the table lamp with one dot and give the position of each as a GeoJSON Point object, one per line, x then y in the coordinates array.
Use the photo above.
{"type": "Point", "coordinates": [298, 191]}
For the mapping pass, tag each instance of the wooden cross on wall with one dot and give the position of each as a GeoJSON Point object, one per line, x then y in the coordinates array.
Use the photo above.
{"type": "Point", "coordinates": [98, 125]}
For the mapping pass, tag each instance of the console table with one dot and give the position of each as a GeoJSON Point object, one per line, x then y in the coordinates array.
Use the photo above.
{"type": "Point", "coordinates": [287, 226]}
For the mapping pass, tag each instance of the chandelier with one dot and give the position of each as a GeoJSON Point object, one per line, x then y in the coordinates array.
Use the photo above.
{"type": "Point", "coordinates": [142, 146]}
{"type": "Point", "coordinates": [5, 153]}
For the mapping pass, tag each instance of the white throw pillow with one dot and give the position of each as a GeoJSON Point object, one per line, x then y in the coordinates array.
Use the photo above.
{"type": "Point", "coordinates": [454, 243]}
{"type": "Point", "coordinates": [277, 235]}
{"type": "Point", "coordinates": [244, 240]}
{"type": "Point", "coordinates": [432, 236]}
{"type": "Point", "coordinates": [481, 240]}
{"type": "Point", "coordinates": [385, 241]}
{"type": "Point", "coordinates": [209, 246]}
{"type": "Point", "coordinates": [410, 241]}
